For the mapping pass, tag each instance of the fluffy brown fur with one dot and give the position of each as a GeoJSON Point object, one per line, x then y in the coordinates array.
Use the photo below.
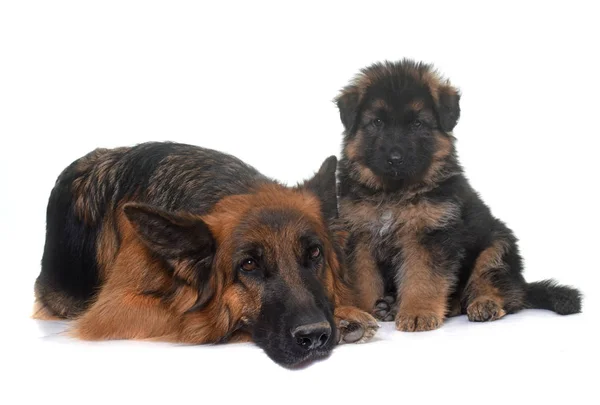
{"type": "Point", "coordinates": [421, 243]}
{"type": "Point", "coordinates": [178, 243]}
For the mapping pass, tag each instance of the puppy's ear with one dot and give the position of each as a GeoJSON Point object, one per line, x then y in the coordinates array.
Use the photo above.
{"type": "Point", "coordinates": [347, 102]}
{"type": "Point", "coordinates": [324, 186]}
{"type": "Point", "coordinates": [185, 241]}
{"type": "Point", "coordinates": [447, 107]}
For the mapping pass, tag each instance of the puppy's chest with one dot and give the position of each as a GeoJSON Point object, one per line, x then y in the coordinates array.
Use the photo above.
{"type": "Point", "coordinates": [386, 225]}
{"type": "Point", "coordinates": [392, 222]}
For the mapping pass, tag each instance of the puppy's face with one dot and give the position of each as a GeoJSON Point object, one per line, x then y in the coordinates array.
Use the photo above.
{"type": "Point", "coordinates": [396, 116]}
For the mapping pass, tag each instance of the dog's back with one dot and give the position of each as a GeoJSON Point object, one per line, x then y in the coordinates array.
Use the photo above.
{"type": "Point", "coordinates": [81, 230]}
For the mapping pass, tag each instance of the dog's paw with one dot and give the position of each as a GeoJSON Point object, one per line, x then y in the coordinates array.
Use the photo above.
{"type": "Point", "coordinates": [384, 309]}
{"type": "Point", "coordinates": [484, 309]}
{"type": "Point", "coordinates": [354, 325]}
{"type": "Point", "coordinates": [418, 322]}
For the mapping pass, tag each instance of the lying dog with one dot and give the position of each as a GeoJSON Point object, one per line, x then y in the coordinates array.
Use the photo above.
{"type": "Point", "coordinates": [419, 234]}
{"type": "Point", "coordinates": [178, 243]}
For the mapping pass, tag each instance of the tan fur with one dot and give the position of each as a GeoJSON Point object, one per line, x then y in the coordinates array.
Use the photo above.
{"type": "Point", "coordinates": [433, 81]}
{"type": "Point", "coordinates": [368, 177]}
{"type": "Point", "coordinates": [416, 105]}
{"type": "Point", "coordinates": [365, 175]}
{"type": "Point", "coordinates": [43, 313]}
{"type": "Point", "coordinates": [121, 310]}
{"type": "Point", "coordinates": [368, 277]}
{"type": "Point", "coordinates": [128, 308]}
{"type": "Point", "coordinates": [436, 83]}
{"type": "Point", "coordinates": [443, 150]}
{"type": "Point", "coordinates": [353, 147]}
{"type": "Point", "coordinates": [380, 104]}
{"type": "Point", "coordinates": [486, 308]}
{"type": "Point", "coordinates": [480, 285]}
{"type": "Point", "coordinates": [413, 216]}
{"type": "Point", "coordinates": [422, 293]}
{"type": "Point", "coordinates": [490, 258]}
{"type": "Point", "coordinates": [107, 246]}
{"type": "Point", "coordinates": [417, 217]}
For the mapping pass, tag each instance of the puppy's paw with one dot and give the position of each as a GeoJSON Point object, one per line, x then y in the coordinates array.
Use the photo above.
{"type": "Point", "coordinates": [385, 310]}
{"type": "Point", "coordinates": [418, 322]}
{"type": "Point", "coordinates": [484, 309]}
{"type": "Point", "coordinates": [354, 325]}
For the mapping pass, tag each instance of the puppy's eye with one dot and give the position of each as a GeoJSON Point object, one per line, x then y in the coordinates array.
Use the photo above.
{"type": "Point", "coordinates": [416, 124]}
{"type": "Point", "coordinates": [249, 265]}
{"type": "Point", "coordinates": [314, 252]}
{"type": "Point", "coordinates": [377, 122]}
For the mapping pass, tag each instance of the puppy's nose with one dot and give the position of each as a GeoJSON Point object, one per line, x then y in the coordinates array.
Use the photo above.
{"type": "Point", "coordinates": [394, 159]}
{"type": "Point", "coordinates": [312, 336]}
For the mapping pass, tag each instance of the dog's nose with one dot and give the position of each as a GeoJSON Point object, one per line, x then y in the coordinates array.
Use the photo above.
{"type": "Point", "coordinates": [394, 159]}
{"type": "Point", "coordinates": [312, 336]}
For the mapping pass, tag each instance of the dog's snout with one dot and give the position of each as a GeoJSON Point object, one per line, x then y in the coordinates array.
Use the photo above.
{"type": "Point", "coordinates": [312, 336]}
{"type": "Point", "coordinates": [394, 158]}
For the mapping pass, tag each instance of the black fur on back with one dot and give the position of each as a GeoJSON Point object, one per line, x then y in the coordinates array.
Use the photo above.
{"type": "Point", "coordinates": [168, 175]}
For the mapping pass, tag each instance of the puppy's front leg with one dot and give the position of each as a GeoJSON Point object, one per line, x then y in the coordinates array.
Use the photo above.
{"type": "Point", "coordinates": [423, 291]}
{"type": "Point", "coordinates": [423, 300]}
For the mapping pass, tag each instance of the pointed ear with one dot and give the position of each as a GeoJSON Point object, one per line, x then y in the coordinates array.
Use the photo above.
{"type": "Point", "coordinates": [447, 106]}
{"type": "Point", "coordinates": [347, 102]}
{"type": "Point", "coordinates": [184, 241]}
{"type": "Point", "coordinates": [172, 236]}
{"type": "Point", "coordinates": [324, 186]}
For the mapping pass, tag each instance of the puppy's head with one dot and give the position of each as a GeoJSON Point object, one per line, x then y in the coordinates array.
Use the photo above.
{"type": "Point", "coordinates": [260, 263]}
{"type": "Point", "coordinates": [397, 119]}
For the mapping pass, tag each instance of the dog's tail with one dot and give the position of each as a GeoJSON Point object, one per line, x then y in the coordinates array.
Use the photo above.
{"type": "Point", "coordinates": [548, 294]}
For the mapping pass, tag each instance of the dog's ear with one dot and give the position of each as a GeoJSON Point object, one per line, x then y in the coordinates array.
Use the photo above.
{"type": "Point", "coordinates": [323, 184]}
{"type": "Point", "coordinates": [347, 102]}
{"type": "Point", "coordinates": [447, 107]}
{"type": "Point", "coordinates": [184, 241]}
{"type": "Point", "coordinates": [170, 235]}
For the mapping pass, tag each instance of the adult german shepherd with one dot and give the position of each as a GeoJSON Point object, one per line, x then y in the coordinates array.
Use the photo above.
{"type": "Point", "coordinates": [179, 243]}
{"type": "Point", "coordinates": [420, 236]}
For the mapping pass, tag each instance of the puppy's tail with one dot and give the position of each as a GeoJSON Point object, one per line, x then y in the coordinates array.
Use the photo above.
{"type": "Point", "coordinates": [548, 294]}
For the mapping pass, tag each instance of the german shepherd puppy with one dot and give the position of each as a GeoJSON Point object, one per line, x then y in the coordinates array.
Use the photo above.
{"type": "Point", "coordinates": [178, 243]}
{"type": "Point", "coordinates": [420, 236]}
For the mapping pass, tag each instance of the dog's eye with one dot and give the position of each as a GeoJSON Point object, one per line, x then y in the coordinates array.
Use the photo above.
{"type": "Point", "coordinates": [314, 252]}
{"type": "Point", "coordinates": [377, 122]}
{"type": "Point", "coordinates": [249, 265]}
{"type": "Point", "coordinates": [416, 123]}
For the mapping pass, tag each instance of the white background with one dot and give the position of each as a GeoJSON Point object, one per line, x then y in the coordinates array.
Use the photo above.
{"type": "Point", "coordinates": [257, 80]}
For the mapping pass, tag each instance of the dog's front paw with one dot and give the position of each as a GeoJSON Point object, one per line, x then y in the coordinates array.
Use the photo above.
{"type": "Point", "coordinates": [484, 309]}
{"type": "Point", "coordinates": [385, 310]}
{"type": "Point", "coordinates": [418, 322]}
{"type": "Point", "coordinates": [354, 325]}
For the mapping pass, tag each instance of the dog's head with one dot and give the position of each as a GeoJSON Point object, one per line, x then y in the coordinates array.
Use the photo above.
{"type": "Point", "coordinates": [397, 118]}
{"type": "Point", "coordinates": [260, 263]}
